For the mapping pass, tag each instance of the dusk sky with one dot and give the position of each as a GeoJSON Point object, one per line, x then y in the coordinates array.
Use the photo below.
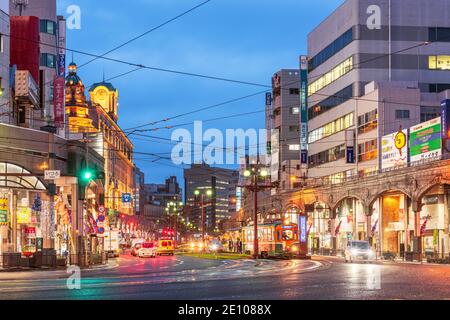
{"type": "Point", "coordinates": [245, 40]}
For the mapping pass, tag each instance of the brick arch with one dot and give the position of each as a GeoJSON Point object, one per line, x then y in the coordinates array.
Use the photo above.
{"type": "Point", "coordinates": [425, 189]}
{"type": "Point", "coordinates": [344, 198]}
{"type": "Point", "coordinates": [380, 193]}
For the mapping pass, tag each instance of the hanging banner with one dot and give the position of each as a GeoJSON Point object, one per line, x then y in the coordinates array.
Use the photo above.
{"type": "Point", "coordinates": [304, 109]}
{"type": "Point", "coordinates": [59, 101]}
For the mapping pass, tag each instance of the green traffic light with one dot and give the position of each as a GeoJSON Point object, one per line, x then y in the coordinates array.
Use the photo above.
{"type": "Point", "coordinates": [87, 175]}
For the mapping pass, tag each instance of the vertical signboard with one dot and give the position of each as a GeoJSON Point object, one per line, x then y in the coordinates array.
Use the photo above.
{"type": "Point", "coordinates": [59, 84]}
{"type": "Point", "coordinates": [445, 117]}
{"type": "Point", "coordinates": [304, 109]}
{"type": "Point", "coordinates": [59, 101]}
{"type": "Point", "coordinates": [394, 150]}
{"type": "Point", "coordinates": [350, 146]}
{"type": "Point", "coordinates": [425, 141]}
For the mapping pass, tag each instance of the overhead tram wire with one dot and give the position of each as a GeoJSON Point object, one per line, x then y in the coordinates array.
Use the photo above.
{"type": "Point", "coordinates": [147, 32]}
{"type": "Point", "coordinates": [142, 35]}
{"type": "Point", "coordinates": [219, 78]}
{"type": "Point", "coordinates": [290, 83]}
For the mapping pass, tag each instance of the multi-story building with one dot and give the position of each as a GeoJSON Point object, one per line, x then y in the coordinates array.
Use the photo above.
{"type": "Point", "coordinates": [52, 45]}
{"type": "Point", "coordinates": [221, 205]}
{"type": "Point", "coordinates": [367, 85]}
{"type": "Point", "coordinates": [5, 95]}
{"type": "Point", "coordinates": [114, 145]}
{"type": "Point", "coordinates": [162, 194]}
{"type": "Point", "coordinates": [283, 124]}
{"type": "Point", "coordinates": [139, 191]}
{"type": "Point", "coordinates": [367, 81]}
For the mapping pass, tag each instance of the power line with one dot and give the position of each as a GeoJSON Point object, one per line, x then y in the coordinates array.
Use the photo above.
{"type": "Point", "coordinates": [146, 33]}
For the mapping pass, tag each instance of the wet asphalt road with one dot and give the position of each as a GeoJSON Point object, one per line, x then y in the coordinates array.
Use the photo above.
{"type": "Point", "coordinates": [187, 278]}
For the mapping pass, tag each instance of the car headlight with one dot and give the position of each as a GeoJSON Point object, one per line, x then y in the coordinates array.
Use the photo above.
{"type": "Point", "coordinates": [192, 245]}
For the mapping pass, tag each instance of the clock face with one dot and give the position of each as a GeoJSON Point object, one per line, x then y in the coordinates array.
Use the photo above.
{"type": "Point", "coordinates": [102, 94]}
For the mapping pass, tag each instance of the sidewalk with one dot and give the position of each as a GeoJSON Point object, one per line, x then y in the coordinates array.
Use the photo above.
{"type": "Point", "coordinates": [383, 261]}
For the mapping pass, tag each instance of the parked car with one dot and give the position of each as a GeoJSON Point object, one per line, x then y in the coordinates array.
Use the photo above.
{"type": "Point", "coordinates": [358, 250]}
{"type": "Point", "coordinates": [165, 247]}
{"type": "Point", "coordinates": [148, 249]}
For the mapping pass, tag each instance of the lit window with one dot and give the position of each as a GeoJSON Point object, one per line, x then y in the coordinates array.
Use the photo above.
{"type": "Point", "coordinates": [439, 62]}
{"type": "Point", "coordinates": [294, 147]}
{"type": "Point", "coordinates": [330, 77]}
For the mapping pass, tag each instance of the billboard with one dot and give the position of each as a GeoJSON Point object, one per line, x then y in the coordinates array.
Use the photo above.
{"type": "Point", "coordinates": [425, 141]}
{"type": "Point", "coordinates": [304, 109]}
{"type": "Point", "coordinates": [394, 150]}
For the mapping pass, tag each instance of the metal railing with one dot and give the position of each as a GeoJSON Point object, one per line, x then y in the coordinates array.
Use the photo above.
{"type": "Point", "coordinates": [13, 261]}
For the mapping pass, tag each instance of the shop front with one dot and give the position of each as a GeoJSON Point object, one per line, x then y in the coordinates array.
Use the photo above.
{"type": "Point", "coordinates": [26, 215]}
{"type": "Point", "coordinates": [432, 222]}
{"type": "Point", "coordinates": [319, 229]}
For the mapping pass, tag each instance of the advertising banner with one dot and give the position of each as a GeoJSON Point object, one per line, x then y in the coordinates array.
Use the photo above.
{"type": "Point", "coordinates": [304, 109]}
{"type": "Point", "coordinates": [425, 141]}
{"type": "Point", "coordinates": [59, 101]}
{"type": "Point", "coordinates": [394, 150]}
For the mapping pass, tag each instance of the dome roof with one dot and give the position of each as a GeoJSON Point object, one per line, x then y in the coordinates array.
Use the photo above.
{"type": "Point", "coordinates": [73, 78]}
{"type": "Point", "coordinates": [108, 85]}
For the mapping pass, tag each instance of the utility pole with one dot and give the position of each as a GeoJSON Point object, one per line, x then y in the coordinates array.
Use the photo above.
{"type": "Point", "coordinates": [209, 193]}
{"type": "Point", "coordinates": [256, 172]}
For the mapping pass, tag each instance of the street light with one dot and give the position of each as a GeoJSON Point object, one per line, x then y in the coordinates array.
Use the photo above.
{"type": "Point", "coordinates": [208, 193]}
{"type": "Point", "coordinates": [255, 173]}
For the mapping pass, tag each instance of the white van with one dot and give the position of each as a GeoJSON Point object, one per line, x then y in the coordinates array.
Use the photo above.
{"type": "Point", "coordinates": [357, 249]}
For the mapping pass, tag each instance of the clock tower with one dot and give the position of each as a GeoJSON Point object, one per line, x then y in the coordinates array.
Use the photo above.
{"type": "Point", "coordinates": [105, 95]}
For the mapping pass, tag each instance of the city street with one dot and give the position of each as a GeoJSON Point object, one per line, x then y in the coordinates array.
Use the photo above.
{"type": "Point", "coordinates": [183, 277]}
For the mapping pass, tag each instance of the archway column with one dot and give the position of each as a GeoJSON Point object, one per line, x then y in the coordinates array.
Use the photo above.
{"type": "Point", "coordinates": [417, 208]}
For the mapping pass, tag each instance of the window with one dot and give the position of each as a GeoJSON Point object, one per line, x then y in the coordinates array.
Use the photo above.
{"type": "Point", "coordinates": [1, 43]}
{"type": "Point", "coordinates": [326, 156]}
{"type": "Point", "coordinates": [331, 102]}
{"type": "Point", "coordinates": [401, 114]}
{"type": "Point", "coordinates": [439, 34]}
{"type": "Point", "coordinates": [295, 91]}
{"type": "Point", "coordinates": [368, 150]}
{"type": "Point", "coordinates": [294, 129]}
{"type": "Point", "coordinates": [294, 110]}
{"type": "Point", "coordinates": [47, 26]}
{"type": "Point", "coordinates": [294, 147]}
{"type": "Point", "coordinates": [439, 62]}
{"type": "Point", "coordinates": [48, 60]}
{"type": "Point", "coordinates": [339, 71]}
{"type": "Point", "coordinates": [439, 87]}
{"type": "Point", "coordinates": [331, 128]}
{"type": "Point", "coordinates": [368, 121]}
{"type": "Point", "coordinates": [336, 46]}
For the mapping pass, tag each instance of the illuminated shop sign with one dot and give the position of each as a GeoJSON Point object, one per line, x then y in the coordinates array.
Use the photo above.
{"type": "Point", "coordinates": [426, 141]}
{"type": "Point", "coordinates": [394, 150]}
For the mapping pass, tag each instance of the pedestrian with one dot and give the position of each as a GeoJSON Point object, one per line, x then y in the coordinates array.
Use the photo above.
{"type": "Point", "coordinates": [230, 245]}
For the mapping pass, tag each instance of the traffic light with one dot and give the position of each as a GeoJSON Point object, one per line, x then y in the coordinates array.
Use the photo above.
{"type": "Point", "coordinates": [87, 174]}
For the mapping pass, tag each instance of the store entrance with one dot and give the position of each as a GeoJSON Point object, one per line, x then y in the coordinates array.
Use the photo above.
{"type": "Point", "coordinates": [393, 214]}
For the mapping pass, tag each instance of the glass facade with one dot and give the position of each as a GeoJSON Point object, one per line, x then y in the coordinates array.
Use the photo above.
{"type": "Point", "coordinates": [47, 26]}
{"type": "Point", "coordinates": [339, 71]}
{"type": "Point", "coordinates": [336, 46]}
{"type": "Point", "coordinates": [326, 156]}
{"type": "Point", "coordinates": [331, 102]}
{"type": "Point", "coordinates": [368, 121]}
{"type": "Point", "coordinates": [331, 128]}
{"type": "Point", "coordinates": [368, 150]}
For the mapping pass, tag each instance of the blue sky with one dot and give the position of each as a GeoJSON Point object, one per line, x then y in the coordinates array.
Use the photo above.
{"type": "Point", "coordinates": [247, 40]}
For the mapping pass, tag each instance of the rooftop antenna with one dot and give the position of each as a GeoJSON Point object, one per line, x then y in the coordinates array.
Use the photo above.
{"type": "Point", "coordinates": [21, 4]}
{"type": "Point", "coordinates": [103, 75]}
